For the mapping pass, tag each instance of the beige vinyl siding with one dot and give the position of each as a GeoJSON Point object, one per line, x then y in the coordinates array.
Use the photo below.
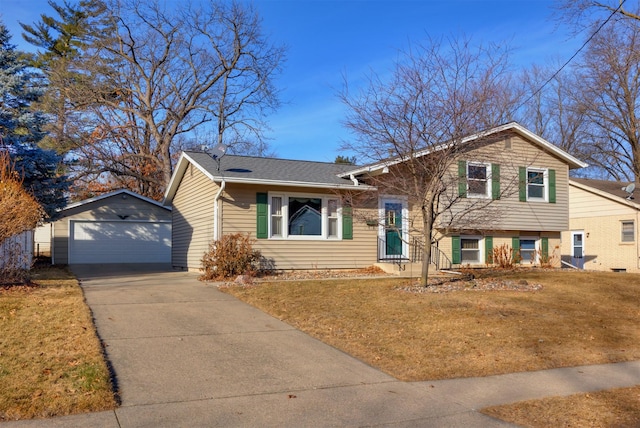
{"type": "Point", "coordinates": [239, 213]}
{"type": "Point", "coordinates": [105, 209]}
{"type": "Point", "coordinates": [508, 213]}
{"type": "Point", "coordinates": [601, 220]}
{"type": "Point", "coordinates": [193, 219]}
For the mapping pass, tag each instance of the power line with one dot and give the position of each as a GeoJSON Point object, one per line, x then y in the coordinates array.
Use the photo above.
{"type": "Point", "coordinates": [573, 56]}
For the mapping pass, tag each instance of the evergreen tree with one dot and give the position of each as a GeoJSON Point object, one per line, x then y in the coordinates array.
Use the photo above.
{"type": "Point", "coordinates": [21, 128]}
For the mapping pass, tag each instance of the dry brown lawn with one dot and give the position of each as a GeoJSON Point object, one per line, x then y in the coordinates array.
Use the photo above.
{"type": "Point", "coordinates": [51, 361]}
{"type": "Point", "coordinates": [577, 318]}
{"type": "Point", "coordinates": [613, 408]}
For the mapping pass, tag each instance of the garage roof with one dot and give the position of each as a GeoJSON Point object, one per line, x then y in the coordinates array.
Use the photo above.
{"type": "Point", "coordinates": [114, 193]}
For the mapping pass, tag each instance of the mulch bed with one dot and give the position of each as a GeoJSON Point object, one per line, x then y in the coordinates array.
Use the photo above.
{"type": "Point", "coordinates": [436, 284]}
{"type": "Point", "coordinates": [447, 285]}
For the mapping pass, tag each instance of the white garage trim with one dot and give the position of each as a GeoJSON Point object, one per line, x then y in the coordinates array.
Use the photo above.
{"type": "Point", "coordinates": [113, 241]}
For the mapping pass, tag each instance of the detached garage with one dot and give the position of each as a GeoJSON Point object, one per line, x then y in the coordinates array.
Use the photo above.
{"type": "Point", "coordinates": [118, 227]}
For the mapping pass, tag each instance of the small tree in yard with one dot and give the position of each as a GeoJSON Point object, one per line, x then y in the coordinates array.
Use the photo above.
{"type": "Point", "coordinates": [438, 94]}
{"type": "Point", "coordinates": [230, 256]}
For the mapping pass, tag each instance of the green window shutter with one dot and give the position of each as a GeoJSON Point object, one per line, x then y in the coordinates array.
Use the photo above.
{"type": "Point", "coordinates": [522, 183]}
{"type": "Point", "coordinates": [262, 209]}
{"type": "Point", "coordinates": [544, 244]}
{"type": "Point", "coordinates": [347, 223]}
{"type": "Point", "coordinates": [455, 250]}
{"type": "Point", "coordinates": [515, 247]}
{"type": "Point", "coordinates": [462, 179]}
{"type": "Point", "coordinates": [552, 186]}
{"type": "Point", "coordinates": [495, 181]}
{"type": "Point", "coordinates": [488, 249]}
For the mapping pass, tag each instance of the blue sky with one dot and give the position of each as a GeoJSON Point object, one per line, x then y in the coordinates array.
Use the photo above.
{"type": "Point", "coordinates": [328, 39]}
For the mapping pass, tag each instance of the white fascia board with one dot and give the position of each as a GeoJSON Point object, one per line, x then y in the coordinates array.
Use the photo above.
{"type": "Point", "coordinates": [606, 195]}
{"type": "Point", "coordinates": [571, 160]}
{"type": "Point", "coordinates": [115, 193]}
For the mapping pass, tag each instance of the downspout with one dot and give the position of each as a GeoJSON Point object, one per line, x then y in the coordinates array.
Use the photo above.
{"type": "Point", "coordinates": [354, 180]}
{"type": "Point", "coordinates": [216, 214]}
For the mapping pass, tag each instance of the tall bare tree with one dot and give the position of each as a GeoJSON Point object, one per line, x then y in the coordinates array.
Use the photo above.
{"type": "Point", "coordinates": [606, 86]}
{"type": "Point", "coordinates": [164, 72]}
{"type": "Point", "coordinates": [556, 111]}
{"type": "Point", "coordinates": [440, 92]}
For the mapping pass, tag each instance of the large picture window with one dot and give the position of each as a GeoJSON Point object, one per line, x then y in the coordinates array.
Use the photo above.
{"type": "Point", "coordinates": [304, 216]}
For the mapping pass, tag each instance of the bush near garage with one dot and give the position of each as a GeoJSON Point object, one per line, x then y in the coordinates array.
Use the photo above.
{"type": "Point", "coordinates": [230, 256]}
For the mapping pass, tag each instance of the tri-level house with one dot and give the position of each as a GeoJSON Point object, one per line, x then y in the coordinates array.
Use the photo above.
{"type": "Point", "coordinates": [510, 187]}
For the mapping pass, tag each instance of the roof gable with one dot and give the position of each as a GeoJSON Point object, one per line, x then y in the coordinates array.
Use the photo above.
{"type": "Point", "coordinates": [538, 141]}
{"type": "Point", "coordinates": [111, 194]}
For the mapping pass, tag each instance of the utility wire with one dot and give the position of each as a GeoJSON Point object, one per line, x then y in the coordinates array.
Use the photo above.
{"type": "Point", "coordinates": [573, 56]}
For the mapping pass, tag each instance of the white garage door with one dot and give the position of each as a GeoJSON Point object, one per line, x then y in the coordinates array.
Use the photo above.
{"type": "Point", "coordinates": [119, 242]}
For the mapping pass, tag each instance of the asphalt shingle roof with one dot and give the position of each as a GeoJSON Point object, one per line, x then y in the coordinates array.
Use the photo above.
{"type": "Point", "coordinates": [612, 187]}
{"type": "Point", "coordinates": [272, 169]}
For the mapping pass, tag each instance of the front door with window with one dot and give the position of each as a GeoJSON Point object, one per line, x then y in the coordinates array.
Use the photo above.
{"type": "Point", "coordinates": [577, 249]}
{"type": "Point", "coordinates": [393, 230]}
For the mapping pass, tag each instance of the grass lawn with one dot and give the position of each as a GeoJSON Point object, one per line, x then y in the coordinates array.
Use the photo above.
{"type": "Point", "coordinates": [51, 361]}
{"type": "Point", "coordinates": [577, 318]}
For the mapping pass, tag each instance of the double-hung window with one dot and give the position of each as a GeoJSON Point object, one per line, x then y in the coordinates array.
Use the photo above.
{"type": "Point", "coordinates": [299, 216]}
{"type": "Point", "coordinates": [528, 250]}
{"type": "Point", "coordinates": [536, 184]}
{"type": "Point", "coordinates": [478, 180]}
{"type": "Point", "coordinates": [628, 231]}
{"type": "Point", "coordinates": [470, 250]}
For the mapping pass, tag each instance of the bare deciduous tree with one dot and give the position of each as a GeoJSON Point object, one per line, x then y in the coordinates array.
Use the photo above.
{"type": "Point", "coordinates": [163, 75]}
{"type": "Point", "coordinates": [439, 93]}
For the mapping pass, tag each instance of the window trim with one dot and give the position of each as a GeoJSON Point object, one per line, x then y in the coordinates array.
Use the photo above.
{"type": "Point", "coordinates": [537, 242]}
{"type": "Point", "coordinates": [488, 180]}
{"type": "Point", "coordinates": [633, 236]}
{"type": "Point", "coordinates": [324, 200]}
{"type": "Point", "coordinates": [545, 184]}
{"type": "Point", "coordinates": [481, 257]}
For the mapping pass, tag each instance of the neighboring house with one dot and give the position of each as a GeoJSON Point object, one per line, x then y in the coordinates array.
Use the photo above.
{"type": "Point", "coordinates": [603, 227]}
{"type": "Point", "coordinates": [271, 198]}
{"type": "Point", "coordinates": [117, 227]}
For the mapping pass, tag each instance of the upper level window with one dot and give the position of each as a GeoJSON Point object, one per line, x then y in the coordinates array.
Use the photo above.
{"type": "Point", "coordinates": [297, 216]}
{"type": "Point", "coordinates": [628, 231]}
{"type": "Point", "coordinates": [478, 180]}
{"type": "Point", "coordinates": [537, 184]}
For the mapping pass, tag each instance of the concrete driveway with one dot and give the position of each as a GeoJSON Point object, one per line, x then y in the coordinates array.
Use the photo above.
{"type": "Point", "coordinates": [186, 355]}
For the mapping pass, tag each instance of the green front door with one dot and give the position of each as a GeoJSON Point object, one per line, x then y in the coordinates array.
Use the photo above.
{"type": "Point", "coordinates": [393, 228]}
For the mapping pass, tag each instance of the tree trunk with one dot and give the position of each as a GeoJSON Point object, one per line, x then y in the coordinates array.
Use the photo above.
{"type": "Point", "coordinates": [427, 230]}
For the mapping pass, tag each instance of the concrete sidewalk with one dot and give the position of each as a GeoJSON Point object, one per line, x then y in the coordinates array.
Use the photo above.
{"type": "Point", "coordinates": [185, 354]}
